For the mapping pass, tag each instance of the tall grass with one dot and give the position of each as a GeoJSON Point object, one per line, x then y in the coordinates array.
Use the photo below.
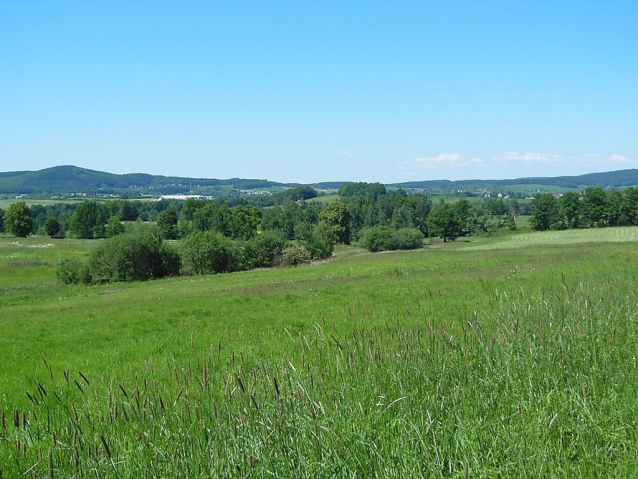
{"type": "Point", "coordinates": [523, 382]}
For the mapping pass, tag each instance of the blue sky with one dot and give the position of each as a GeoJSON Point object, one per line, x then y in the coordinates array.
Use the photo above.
{"type": "Point", "coordinates": [318, 91]}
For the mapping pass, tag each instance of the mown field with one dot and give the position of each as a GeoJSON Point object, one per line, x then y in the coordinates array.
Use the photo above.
{"type": "Point", "coordinates": [496, 357]}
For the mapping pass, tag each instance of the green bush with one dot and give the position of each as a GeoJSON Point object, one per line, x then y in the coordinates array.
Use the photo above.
{"type": "Point", "coordinates": [322, 241]}
{"type": "Point", "coordinates": [138, 255]}
{"type": "Point", "coordinates": [384, 238]}
{"type": "Point", "coordinates": [408, 238]}
{"type": "Point", "coordinates": [264, 250]}
{"type": "Point", "coordinates": [294, 255]}
{"type": "Point", "coordinates": [210, 252]}
{"type": "Point", "coordinates": [73, 271]}
{"type": "Point", "coordinates": [378, 238]}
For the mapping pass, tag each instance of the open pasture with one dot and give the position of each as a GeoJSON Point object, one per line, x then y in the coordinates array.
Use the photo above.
{"type": "Point", "coordinates": [625, 234]}
{"type": "Point", "coordinates": [483, 361]}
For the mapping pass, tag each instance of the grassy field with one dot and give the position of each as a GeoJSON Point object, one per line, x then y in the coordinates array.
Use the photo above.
{"type": "Point", "coordinates": [495, 357]}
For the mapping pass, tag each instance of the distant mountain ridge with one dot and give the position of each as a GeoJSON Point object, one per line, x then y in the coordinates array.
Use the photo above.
{"type": "Point", "coordinates": [72, 179]}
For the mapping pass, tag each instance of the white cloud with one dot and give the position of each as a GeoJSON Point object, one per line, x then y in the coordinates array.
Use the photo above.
{"type": "Point", "coordinates": [619, 159]}
{"type": "Point", "coordinates": [530, 158]}
{"type": "Point", "coordinates": [444, 159]}
{"type": "Point", "coordinates": [349, 154]}
{"type": "Point", "coordinates": [510, 164]}
{"type": "Point", "coordinates": [356, 165]}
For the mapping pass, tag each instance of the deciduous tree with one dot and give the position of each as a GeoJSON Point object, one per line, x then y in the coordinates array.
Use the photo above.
{"type": "Point", "coordinates": [18, 220]}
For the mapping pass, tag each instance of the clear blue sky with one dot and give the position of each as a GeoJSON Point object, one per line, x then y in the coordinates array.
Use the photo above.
{"type": "Point", "coordinates": [316, 91]}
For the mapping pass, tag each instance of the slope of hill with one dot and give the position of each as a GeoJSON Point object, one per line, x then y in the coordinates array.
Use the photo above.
{"type": "Point", "coordinates": [611, 179]}
{"type": "Point", "coordinates": [72, 179]}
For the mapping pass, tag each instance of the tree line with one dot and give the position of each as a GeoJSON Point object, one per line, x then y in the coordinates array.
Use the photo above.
{"type": "Point", "coordinates": [594, 207]}
{"type": "Point", "coordinates": [229, 235]}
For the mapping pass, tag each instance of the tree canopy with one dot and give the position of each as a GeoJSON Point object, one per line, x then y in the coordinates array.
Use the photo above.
{"type": "Point", "coordinates": [18, 220]}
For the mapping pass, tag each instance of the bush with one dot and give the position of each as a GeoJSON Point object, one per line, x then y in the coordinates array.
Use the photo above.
{"type": "Point", "coordinates": [138, 255]}
{"type": "Point", "coordinates": [322, 241]}
{"type": "Point", "coordinates": [408, 238]}
{"type": "Point", "coordinates": [295, 255]}
{"type": "Point", "coordinates": [263, 251]}
{"type": "Point", "coordinates": [210, 252]}
{"type": "Point", "coordinates": [72, 271]}
{"type": "Point", "coordinates": [384, 238]}
{"type": "Point", "coordinates": [378, 238]}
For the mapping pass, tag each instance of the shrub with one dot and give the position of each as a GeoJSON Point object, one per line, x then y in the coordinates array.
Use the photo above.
{"type": "Point", "coordinates": [72, 271]}
{"type": "Point", "coordinates": [262, 251]}
{"type": "Point", "coordinates": [384, 238]}
{"type": "Point", "coordinates": [322, 241]}
{"type": "Point", "coordinates": [408, 238]}
{"type": "Point", "coordinates": [295, 255]}
{"type": "Point", "coordinates": [210, 252]}
{"type": "Point", "coordinates": [378, 238]}
{"type": "Point", "coordinates": [138, 255]}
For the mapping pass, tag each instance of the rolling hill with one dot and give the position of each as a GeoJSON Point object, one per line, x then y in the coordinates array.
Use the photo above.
{"type": "Point", "coordinates": [73, 179]}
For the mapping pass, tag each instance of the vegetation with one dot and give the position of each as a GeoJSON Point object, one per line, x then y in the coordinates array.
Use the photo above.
{"type": "Point", "coordinates": [18, 220]}
{"type": "Point", "coordinates": [449, 362]}
{"type": "Point", "coordinates": [593, 208]}
{"type": "Point", "coordinates": [384, 238]}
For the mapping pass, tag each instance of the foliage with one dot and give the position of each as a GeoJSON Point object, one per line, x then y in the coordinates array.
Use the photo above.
{"type": "Point", "coordinates": [408, 238]}
{"type": "Point", "coordinates": [295, 255]}
{"type": "Point", "coordinates": [322, 241]}
{"type": "Point", "coordinates": [244, 222]}
{"type": "Point", "coordinates": [546, 213]}
{"type": "Point", "coordinates": [384, 238]}
{"type": "Point", "coordinates": [2, 212]}
{"type": "Point", "coordinates": [114, 227]}
{"type": "Point", "coordinates": [167, 224]}
{"type": "Point", "coordinates": [594, 201]}
{"type": "Point", "coordinates": [264, 250]}
{"type": "Point", "coordinates": [337, 217]}
{"type": "Point", "coordinates": [73, 271]}
{"type": "Point", "coordinates": [377, 238]}
{"type": "Point", "coordinates": [209, 252]}
{"type": "Point", "coordinates": [88, 220]}
{"type": "Point", "coordinates": [18, 220]}
{"type": "Point", "coordinates": [137, 255]}
{"type": "Point", "coordinates": [366, 190]}
{"type": "Point", "coordinates": [52, 227]}
{"type": "Point", "coordinates": [445, 222]}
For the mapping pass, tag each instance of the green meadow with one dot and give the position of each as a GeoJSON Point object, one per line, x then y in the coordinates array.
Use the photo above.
{"type": "Point", "coordinates": [512, 356]}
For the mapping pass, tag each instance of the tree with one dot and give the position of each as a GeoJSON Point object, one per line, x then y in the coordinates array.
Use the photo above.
{"type": "Point", "coordinates": [322, 241]}
{"type": "Point", "coordinates": [262, 251]}
{"type": "Point", "coordinates": [18, 220]}
{"type": "Point", "coordinates": [594, 205]}
{"type": "Point", "coordinates": [2, 212]}
{"type": "Point", "coordinates": [336, 216]}
{"type": "Point", "coordinates": [88, 220]}
{"type": "Point", "coordinates": [444, 223]}
{"type": "Point", "coordinates": [244, 221]}
{"type": "Point", "coordinates": [209, 252]}
{"type": "Point", "coordinates": [52, 226]}
{"type": "Point", "coordinates": [114, 227]}
{"type": "Point", "coordinates": [572, 208]}
{"type": "Point", "coordinates": [167, 224]}
{"type": "Point", "coordinates": [138, 255]}
{"type": "Point", "coordinates": [546, 213]}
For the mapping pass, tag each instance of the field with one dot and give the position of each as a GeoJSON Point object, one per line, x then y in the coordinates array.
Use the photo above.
{"type": "Point", "coordinates": [512, 356]}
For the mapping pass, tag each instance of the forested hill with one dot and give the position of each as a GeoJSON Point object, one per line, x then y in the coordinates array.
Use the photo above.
{"type": "Point", "coordinates": [72, 179]}
{"type": "Point", "coordinates": [610, 179]}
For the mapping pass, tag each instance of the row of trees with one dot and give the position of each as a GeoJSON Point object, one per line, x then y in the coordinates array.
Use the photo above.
{"type": "Point", "coordinates": [595, 207]}
{"type": "Point", "coordinates": [296, 220]}
{"type": "Point", "coordinates": [141, 253]}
